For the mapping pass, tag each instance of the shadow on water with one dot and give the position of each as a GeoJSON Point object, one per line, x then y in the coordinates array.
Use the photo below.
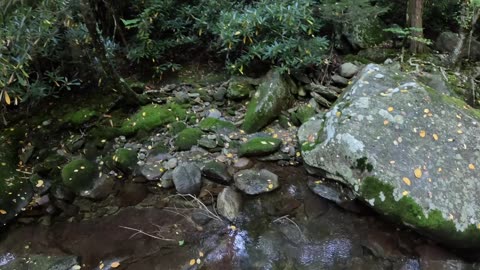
{"type": "Point", "coordinates": [290, 228]}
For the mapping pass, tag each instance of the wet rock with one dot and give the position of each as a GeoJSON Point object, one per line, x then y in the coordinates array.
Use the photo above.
{"type": "Point", "coordinates": [26, 153]}
{"type": "Point", "coordinates": [273, 95]}
{"type": "Point", "coordinates": [219, 94]}
{"type": "Point", "coordinates": [187, 179]}
{"type": "Point", "coordinates": [187, 138]}
{"type": "Point", "coordinates": [167, 180]}
{"type": "Point", "coordinates": [331, 191]}
{"type": "Point", "coordinates": [74, 143]}
{"type": "Point", "coordinates": [60, 192]}
{"type": "Point", "coordinates": [303, 114]}
{"type": "Point", "coordinates": [229, 203]}
{"type": "Point", "coordinates": [125, 159]}
{"type": "Point", "coordinates": [339, 80]}
{"type": "Point", "coordinates": [153, 167]}
{"type": "Point", "coordinates": [101, 188]}
{"type": "Point", "coordinates": [171, 164]}
{"type": "Point", "coordinates": [242, 164]}
{"type": "Point", "coordinates": [79, 174]}
{"type": "Point", "coordinates": [348, 70]}
{"type": "Point", "coordinates": [403, 144]}
{"type": "Point", "coordinates": [207, 143]}
{"type": "Point", "coordinates": [217, 172]}
{"type": "Point", "coordinates": [259, 146]}
{"type": "Point", "coordinates": [181, 97]}
{"type": "Point", "coordinates": [253, 182]}
{"type": "Point", "coordinates": [35, 261]}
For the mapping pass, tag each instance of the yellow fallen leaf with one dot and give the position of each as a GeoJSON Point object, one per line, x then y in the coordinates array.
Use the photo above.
{"type": "Point", "coordinates": [390, 109]}
{"type": "Point", "coordinates": [435, 137]}
{"type": "Point", "coordinates": [263, 142]}
{"type": "Point", "coordinates": [405, 193]}
{"type": "Point", "coordinates": [39, 184]}
{"type": "Point", "coordinates": [338, 114]}
{"type": "Point", "coordinates": [192, 262]}
{"type": "Point", "coordinates": [426, 111]}
{"type": "Point", "coordinates": [3, 212]}
{"type": "Point", "coordinates": [201, 254]}
{"type": "Point", "coordinates": [407, 181]}
{"type": "Point", "coordinates": [418, 173]}
{"type": "Point", "coordinates": [7, 98]}
{"type": "Point", "coordinates": [270, 186]}
{"type": "Point", "coordinates": [423, 133]}
{"type": "Point", "coordinates": [385, 122]}
{"type": "Point", "coordinates": [460, 131]}
{"type": "Point", "coordinates": [115, 264]}
{"type": "Point", "coordinates": [471, 166]}
{"type": "Point", "coordinates": [198, 261]}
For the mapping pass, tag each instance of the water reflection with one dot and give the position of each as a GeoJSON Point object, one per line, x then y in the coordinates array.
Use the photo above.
{"type": "Point", "coordinates": [6, 258]}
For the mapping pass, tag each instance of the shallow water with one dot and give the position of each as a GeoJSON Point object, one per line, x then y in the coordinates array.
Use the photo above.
{"type": "Point", "coordinates": [290, 228]}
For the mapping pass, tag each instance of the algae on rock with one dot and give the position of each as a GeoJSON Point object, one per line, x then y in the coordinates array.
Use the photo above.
{"type": "Point", "coordinates": [79, 174]}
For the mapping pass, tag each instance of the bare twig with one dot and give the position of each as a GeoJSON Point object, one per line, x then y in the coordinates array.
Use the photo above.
{"type": "Point", "coordinates": [292, 222]}
{"type": "Point", "coordinates": [137, 231]}
{"type": "Point", "coordinates": [213, 214]}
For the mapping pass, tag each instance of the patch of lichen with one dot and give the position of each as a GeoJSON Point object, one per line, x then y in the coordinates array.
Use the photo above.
{"type": "Point", "coordinates": [214, 125]}
{"type": "Point", "coordinates": [408, 211]}
{"type": "Point", "coordinates": [187, 138]}
{"type": "Point", "coordinates": [152, 116]}
{"type": "Point", "coordinates": [259, 146]}
{"type": "Point", "coordinates": [79, 174]}
{"type": "Point", "coordinates": [80, 117]}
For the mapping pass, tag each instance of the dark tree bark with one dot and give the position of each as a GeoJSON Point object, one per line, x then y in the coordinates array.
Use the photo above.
{"type": "Point", "coordinates": [415, 20]}
{"type": "Point", "coordinates": [119, 85]}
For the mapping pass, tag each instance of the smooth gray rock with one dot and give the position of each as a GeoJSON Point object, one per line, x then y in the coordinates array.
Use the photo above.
{"type": "Point", "coordinates": [348, 70]}
{"type": "Point", "coordinates": [408, 151]}
{"type": "Point", "coordinates": [339, 80]}
{"type": "Point", "coordinates": [229, 203]}
{"type": "Point", "coordinates": [187, 179]}
{"type": "Point", "coordinates": [253, 182]}
{"type": "Point", "coordinates": [217, 172]}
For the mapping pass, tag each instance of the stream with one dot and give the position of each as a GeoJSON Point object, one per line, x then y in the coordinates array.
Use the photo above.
{"type": "Point", "coordinates": [291, 228]}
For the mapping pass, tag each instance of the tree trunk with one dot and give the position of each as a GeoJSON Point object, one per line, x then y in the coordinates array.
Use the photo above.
{"type": "Point", "coordinates": [458, 51]}
{"type": "Point", "coordinates": [119, 85]}
{"type": "Point", "coordinates": [415, 20]}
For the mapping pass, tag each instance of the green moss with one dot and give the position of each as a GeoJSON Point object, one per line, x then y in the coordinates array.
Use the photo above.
{"type": "Point", "coordinates": [406, 210]}
{"type": "Point", "coordinates": [356, 58]}
{"type": "Point", "coordinates": [153, 116]}
{"type": "Point", "coordinates": [125, 159]}
{"type": "Point", "coordinates": [187, 138]}
{"type": "Point", "coordinates": [454, 101]}
{"type": "Point", "coordinates": [364, 165]}
{"type": "Point", "coordinates": [214, 125]}
{"type": "Point", "coordinates": [304, 113]}
{"type": "Point", "coordinates": [259, 146]}
{"type": "Point", "coordinates": [175, 127]}
{"type": "Point", "coordinates": [239, 89]}
{"type": "Point", "coordinates": [80, 117]}
{"type": "Point", "coordinates": [79, 174]}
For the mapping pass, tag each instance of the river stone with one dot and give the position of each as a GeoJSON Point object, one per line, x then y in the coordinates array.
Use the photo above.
{"type": "Point", "coordinates": [37, 261]}
{"type": "Point", "coordinates": [273, 96]}
{"type": "Point", "coordinates": [348, 70]}
{"type": "Point", "coordinates": [187, 179]}
{"type": "Point", "coordinates": [229, 203]}
{"type": "Point", "coordinates": [339, 80]}
{"type": "Point", "coordinates": [259, 146]}
{"type": "Point", "coordinates": [408, 151]}
{"type": "Point", "coordinates": [253, 182]}
{"type": "Point", "coordinates": [217, 172]}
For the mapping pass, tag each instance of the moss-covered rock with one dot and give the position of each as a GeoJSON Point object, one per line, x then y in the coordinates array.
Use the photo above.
{"type": "Point", "coordinates": [259, 146]}
{"type": "Point", "coordinates": [216, 125]}
{"type": "Point", "coordinates": [50, 165]}
{"type": "Point", "coordinates": [79, 174]}
{"type": "Point", "coordinates": [176, 127]}
{"type": "Point", "coordinates": [80, 117]}
{"type": "Point", "coordinates": [152, 116]}
{"type": "Point", "coordinates": [406, 149]}
{"type": "Point", "coordinates": [125, 159]}
{"type": "Point", "coordinates": [303, 114]}
{"type": "Point", "coordinates": [239, 88]}
{"type": "Point", "coordinates": [187, 138]}
{"type": "Point", "coordinates": [273, 96]}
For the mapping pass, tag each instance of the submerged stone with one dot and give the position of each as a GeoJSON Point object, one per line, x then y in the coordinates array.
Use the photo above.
{"type": "Point", "coordinates": [254, 182]}
{"type": "Point", "coordinates": [406, 150]}
{"type": "Point", "coordinates": [273, 96]}
{"type": "Point", "coordinates": [229, 203]}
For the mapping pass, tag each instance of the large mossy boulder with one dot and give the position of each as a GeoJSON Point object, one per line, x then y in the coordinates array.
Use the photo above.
{"type": "Point", "coordinates": [273, 96]}
{"type": "Point", "coordinates": [152, 116]}
{"type": "Point", "coordinates": [406, 150]}
{"type": "Point", "coordinates": [187, 138]}
{"type": "Point", "coordinates": [15, 192]}
{"type": "Point", "coordinates": [79, 175]}
{"type": "Point", "coordinates": [125, 159]}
